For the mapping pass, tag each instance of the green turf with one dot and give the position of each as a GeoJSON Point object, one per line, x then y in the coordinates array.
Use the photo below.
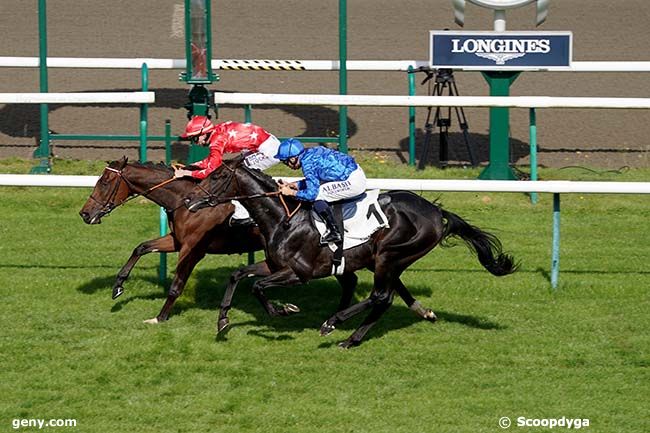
{"type": "Point", "coordinates": [502, 347]}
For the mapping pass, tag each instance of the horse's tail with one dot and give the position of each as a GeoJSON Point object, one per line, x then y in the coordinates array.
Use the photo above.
{"type": "Point", "coordinates": [486, 245]}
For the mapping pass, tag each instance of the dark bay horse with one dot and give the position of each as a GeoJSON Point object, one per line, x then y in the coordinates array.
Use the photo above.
{"type": "Point", "coordinates": [293, 254]}
{"type": "Point", "coordinates": [193, 235]}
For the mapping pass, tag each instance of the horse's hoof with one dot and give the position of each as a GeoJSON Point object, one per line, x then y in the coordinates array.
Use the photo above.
{"type": "Point", "coordinates": [117, 291]}
{"type": "Point", "coordinates": [153, 321]}
{"type": "Point", "coordinates": [430, 316]}
{"type": "Point", "coordinates": [291, 308]}
{"type": "Point", "coordinates": [326, 329]}
{"type": "Point", "coordinates": [223, 325]}
{"type": "Point", "coordinates": [345, 345]}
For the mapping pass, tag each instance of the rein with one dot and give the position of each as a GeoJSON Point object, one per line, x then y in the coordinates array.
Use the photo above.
{"type": "Point", "coordinates": [214, 200]}
{"type": "Point", "coordinates": [143, 193]}
{"type": "Point", "coordinates": [108, 206]}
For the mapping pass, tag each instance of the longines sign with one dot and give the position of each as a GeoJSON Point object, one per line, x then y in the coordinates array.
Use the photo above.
{"type": "Point", "coordinates": [500, 50]}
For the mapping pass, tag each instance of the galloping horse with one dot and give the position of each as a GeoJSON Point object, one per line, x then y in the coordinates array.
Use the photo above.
{"type": "Point", "coordinates": [192, 234]}
{"type": "Point", "coordinates": [293, 254]}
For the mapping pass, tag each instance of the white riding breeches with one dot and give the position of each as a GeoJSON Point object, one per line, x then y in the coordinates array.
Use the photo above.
{"type": "Point", "coordinates": [354, 185]}
{"type": "Point", "coordinates": [265, 155]}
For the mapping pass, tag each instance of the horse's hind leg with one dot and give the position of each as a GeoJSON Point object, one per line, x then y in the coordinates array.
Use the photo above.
{"type": "Point", "coordinates": [413, 304]}
{"type": "Point", "coordinates": [164, 244]}
{"type": "Point", "coordinates": [284, 277]}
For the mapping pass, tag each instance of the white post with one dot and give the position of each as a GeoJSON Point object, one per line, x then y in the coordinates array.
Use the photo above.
{"type": "Point", "coordinates": [499, 20]}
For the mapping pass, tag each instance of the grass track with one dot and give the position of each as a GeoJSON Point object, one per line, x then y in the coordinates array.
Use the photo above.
{"type": "Point", "coordinates": [503, 346]}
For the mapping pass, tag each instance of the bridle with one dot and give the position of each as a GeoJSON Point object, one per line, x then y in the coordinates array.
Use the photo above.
{"type": "Point", "coordinates": [108, 206]}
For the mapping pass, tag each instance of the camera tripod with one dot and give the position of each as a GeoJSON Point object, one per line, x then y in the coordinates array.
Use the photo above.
{"type": "Point", "coordinates": [444, 80]}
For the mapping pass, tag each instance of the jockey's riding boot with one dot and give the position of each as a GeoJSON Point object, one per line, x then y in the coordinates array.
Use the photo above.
{"type": "Point", "coordinates": [333, 234]}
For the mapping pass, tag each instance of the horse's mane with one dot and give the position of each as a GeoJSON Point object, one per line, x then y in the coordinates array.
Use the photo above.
{"type": "Point", "coordinates": [124, 161]}
{"type": "Point", "coordinates": [238, 162]}
{"type": "Point", "coordinates": [153, 165]}
{"type": "Point", "coordinates": [264, 179]}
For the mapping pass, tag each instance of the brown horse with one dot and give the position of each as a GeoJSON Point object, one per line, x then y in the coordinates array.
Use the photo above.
{"type": "Point", "coordinates": [294, 256]}
{"type": "Point", "coordinates": [193, 235]}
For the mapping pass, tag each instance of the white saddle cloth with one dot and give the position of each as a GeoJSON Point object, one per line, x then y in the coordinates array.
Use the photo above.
{"type": "Point", "coordinates": [361, 218]}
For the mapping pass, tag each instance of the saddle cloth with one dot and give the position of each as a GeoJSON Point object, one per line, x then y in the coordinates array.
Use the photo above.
{"type": "Point", "coordinates": [362, 216]}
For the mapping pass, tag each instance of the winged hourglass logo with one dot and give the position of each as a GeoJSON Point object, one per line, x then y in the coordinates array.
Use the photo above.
{"type": "Point", "coordinates": [500, 58]}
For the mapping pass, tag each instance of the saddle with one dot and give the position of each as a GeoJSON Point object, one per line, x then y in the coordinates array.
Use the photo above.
{"type": "Point", "coordinates": [358, 218]}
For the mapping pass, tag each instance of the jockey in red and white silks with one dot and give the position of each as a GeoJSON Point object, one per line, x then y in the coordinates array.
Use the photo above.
{"type": "Point", "coordinates": [229, 137]}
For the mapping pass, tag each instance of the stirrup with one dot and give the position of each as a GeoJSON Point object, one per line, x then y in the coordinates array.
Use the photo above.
{"type": "Point", "coordinates": [331, 237]}
{"type": "Point", "coordinates": [235, 222]}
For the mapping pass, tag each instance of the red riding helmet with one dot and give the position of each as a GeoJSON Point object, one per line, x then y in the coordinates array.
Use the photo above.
{"type": "Point", "coordinates": [197, 126]}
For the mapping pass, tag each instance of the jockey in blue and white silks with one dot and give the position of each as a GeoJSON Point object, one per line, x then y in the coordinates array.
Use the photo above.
{"type": "Point", "coordinates": [329, 176]}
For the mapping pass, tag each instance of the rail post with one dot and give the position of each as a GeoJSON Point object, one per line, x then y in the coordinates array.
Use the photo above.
{"type": "Point", "coordinates": [198, 72]}
{"type": "Point", "coordinates": [533, 150]}
{"type": "Point", "coordinates": [411, 83]}
{"type": "Point", "coordinates": [555, 253]}
{"type": "Point", "coordinates": [499, 166]}
{"type": "Point", "coordinates": [162, 268]}
{"type": "Point", "coordinates": [144, 111]}
{"type": "Point", "coordinates": [43, 150]}
{"type": "Point", "coordinates": [248, 118]}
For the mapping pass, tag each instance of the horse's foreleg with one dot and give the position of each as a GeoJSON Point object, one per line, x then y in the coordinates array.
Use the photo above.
{"type": "Point", "coordinates": [348, 282]}
{"type": "Point", "coordinates": [260, 269]}
{"type": "Point", "coordinates": [187, 260]}
{"type": "Point", "coordinates": [330, 324]}
{"type": "Point", "coordinates": [381, 299]}
{"type": "Point", "coordinates": [164, 244]}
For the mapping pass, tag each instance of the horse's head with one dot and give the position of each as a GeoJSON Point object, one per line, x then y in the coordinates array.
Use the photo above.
{"type": "Point", "coordinates": [110, 191]}
{"type": "Point", "coordinates": [222, 182]}
{"type": "Point", "coordinates": [232, 178]}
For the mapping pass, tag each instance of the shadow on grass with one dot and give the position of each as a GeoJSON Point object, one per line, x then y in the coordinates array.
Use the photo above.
{"type": "Point", "coordinates": [318, 300]}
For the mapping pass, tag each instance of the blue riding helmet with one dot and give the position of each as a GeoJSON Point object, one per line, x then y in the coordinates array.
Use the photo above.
{"type": "Point", "coordinates": [289, 148]}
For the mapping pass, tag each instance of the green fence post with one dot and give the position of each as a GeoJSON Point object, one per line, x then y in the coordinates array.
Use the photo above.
{"type": "Point", "coordinates": [343, 75]}
{"type": "Point", "coordinates": [248, 111]}
{"type": "Point", "coordinates": [143, 114]}
{"type": "Point", "coordinates": [168, 142]}
{"type": "Point", "coordinates": [499, 166]}
{"type": "Point", "coordinates": [555, 254]}
{"type": "Point", "coordinates": [411, 82]}
{"type": "Point", "coordinates": [162, 268]}
{"type": "Point", "coordinates": [43, 150]}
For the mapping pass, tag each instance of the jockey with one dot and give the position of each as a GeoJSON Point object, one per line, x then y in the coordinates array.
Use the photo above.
{"type": "Point", "coordinates": [229, 137]}
{"type": "Point", "coordinates": [329, 176]}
